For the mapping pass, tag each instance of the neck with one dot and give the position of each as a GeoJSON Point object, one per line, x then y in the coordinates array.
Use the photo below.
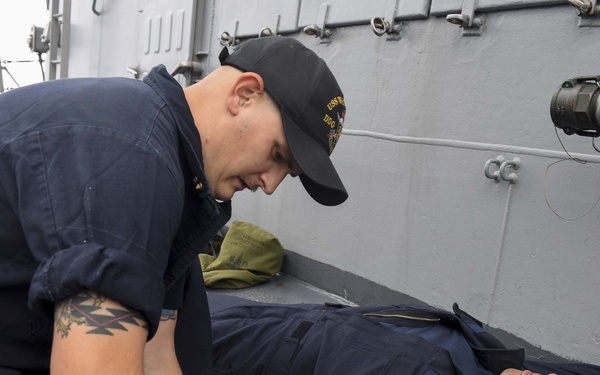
{"type": "Point", "coordinates": [207, 100]}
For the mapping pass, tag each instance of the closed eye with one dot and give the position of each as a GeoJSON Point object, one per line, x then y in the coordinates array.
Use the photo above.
{"type": "Point", "coordinates": [280, 157]}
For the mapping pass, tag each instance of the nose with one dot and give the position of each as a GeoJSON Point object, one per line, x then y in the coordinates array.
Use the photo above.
{"type": "Point", "coordinates": [272, 178]}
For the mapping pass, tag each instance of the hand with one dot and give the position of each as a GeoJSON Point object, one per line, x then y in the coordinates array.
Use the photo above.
{"type": "Point", "coordinates": [514, 371]}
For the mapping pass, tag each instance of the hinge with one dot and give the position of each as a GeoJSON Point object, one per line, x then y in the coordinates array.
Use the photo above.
{"type": "Point", "coordinates": [386, 24]}
{"type": "Point", "coordinates": [471, 25]}
{"type": "Point", "coordinates": [588, 12]}
{"type": "Point", "coordinates": [273, 30]}
{"type": "Point", "coordinates": [230, 39]}
{"type": "Point", "coordinates": [319, 30]}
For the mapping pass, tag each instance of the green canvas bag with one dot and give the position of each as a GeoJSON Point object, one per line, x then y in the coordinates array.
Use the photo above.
{"type": "Point", "coordinates": [249, 255]}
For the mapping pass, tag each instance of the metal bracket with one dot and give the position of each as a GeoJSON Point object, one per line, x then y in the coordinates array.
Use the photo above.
{"type": "Point", "coordinates": [380, 26]}
{"type": "Point", "coordinates": [191, 70]}
{"type": "Point", "coordinates": [229, 40]}
{"type": "Point", "coordinates": [268, 31]}
{"type": "Point", "coordinates": [584, 7]}
{"type": "Point", "coordinates": [134, 70]}
{"type": "Point", "coordinates": [319, 30]}
{"type": "Point", "coordinates": [502, 172]}
{"type": "Point", "coordinates": [187, 66]}
{"type": "Point", "coordinates": [496, 174]}
{"type": "Point", "coordinates": [471, 25]}
{"type": "Point", "coordinates": [588, 12]}
{"type": "Point", "coordinates": [510, 177]}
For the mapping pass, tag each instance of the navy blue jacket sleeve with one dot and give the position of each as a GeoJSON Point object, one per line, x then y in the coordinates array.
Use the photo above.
{"type": "Point", "coordinates": [99, 209]}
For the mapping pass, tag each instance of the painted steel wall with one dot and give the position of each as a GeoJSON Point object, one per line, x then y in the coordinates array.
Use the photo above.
{"type": "Point", "coordinates": [425, 114]}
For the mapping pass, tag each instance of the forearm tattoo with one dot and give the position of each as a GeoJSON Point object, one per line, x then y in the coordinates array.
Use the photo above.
{"type": "Point", "coordinates": [89, 309]}
{"type": "Point", "coordinates": [168, 315]}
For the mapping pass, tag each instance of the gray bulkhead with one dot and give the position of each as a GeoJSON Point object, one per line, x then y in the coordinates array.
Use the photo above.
{"type": "Point", "coordinates": [430, 106]}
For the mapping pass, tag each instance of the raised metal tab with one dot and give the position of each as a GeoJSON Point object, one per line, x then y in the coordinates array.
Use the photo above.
{"type": "Point", "coordinates": [230, 39]}
{"type": "Point", "coordinates": [511, 177]}
{"type": "Point", "coordinates": [495, 175]}
{"type": "Point", "coordinates": [319, 30]}
{"type": "Point", "coordinates": [386, 25]}
{"type": "Point", "coordinates": [588, 12]}
{"type": "Point", "coordinates": [471, 25]}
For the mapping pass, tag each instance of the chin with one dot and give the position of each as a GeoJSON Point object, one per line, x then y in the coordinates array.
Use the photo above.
{"type": "Point", "coordinates": [223, 197]}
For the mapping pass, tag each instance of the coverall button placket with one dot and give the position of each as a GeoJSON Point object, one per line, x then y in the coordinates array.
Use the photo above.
{"type": "Point", "coordinates": [198, 184]}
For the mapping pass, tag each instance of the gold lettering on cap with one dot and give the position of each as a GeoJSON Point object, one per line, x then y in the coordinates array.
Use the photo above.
{"type": "Point", "coordinates": [329, 121]}
{"type": "Point", "coordinates": [332, 103]}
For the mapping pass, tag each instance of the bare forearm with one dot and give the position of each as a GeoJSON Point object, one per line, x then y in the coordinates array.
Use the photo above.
{"type": "Point", "coordinates": [512, 371]}
{"type": "Point", "coordinates": [159, 353]}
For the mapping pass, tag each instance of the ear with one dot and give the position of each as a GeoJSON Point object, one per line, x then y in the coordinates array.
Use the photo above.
{"type": "Point", "coordinates": [247, 87]}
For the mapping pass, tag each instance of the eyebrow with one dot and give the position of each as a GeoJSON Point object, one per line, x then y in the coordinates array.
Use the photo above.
{"type": "Point", "coordinates": [293, 165]}
{"type": "Point", "coordinates": [291, 162]}
{"type": "Point", "coordinates": [294, 175]}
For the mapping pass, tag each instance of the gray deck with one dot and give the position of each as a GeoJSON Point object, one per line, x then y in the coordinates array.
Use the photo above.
{"type": "Point", "coordinates": [284, 289]}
